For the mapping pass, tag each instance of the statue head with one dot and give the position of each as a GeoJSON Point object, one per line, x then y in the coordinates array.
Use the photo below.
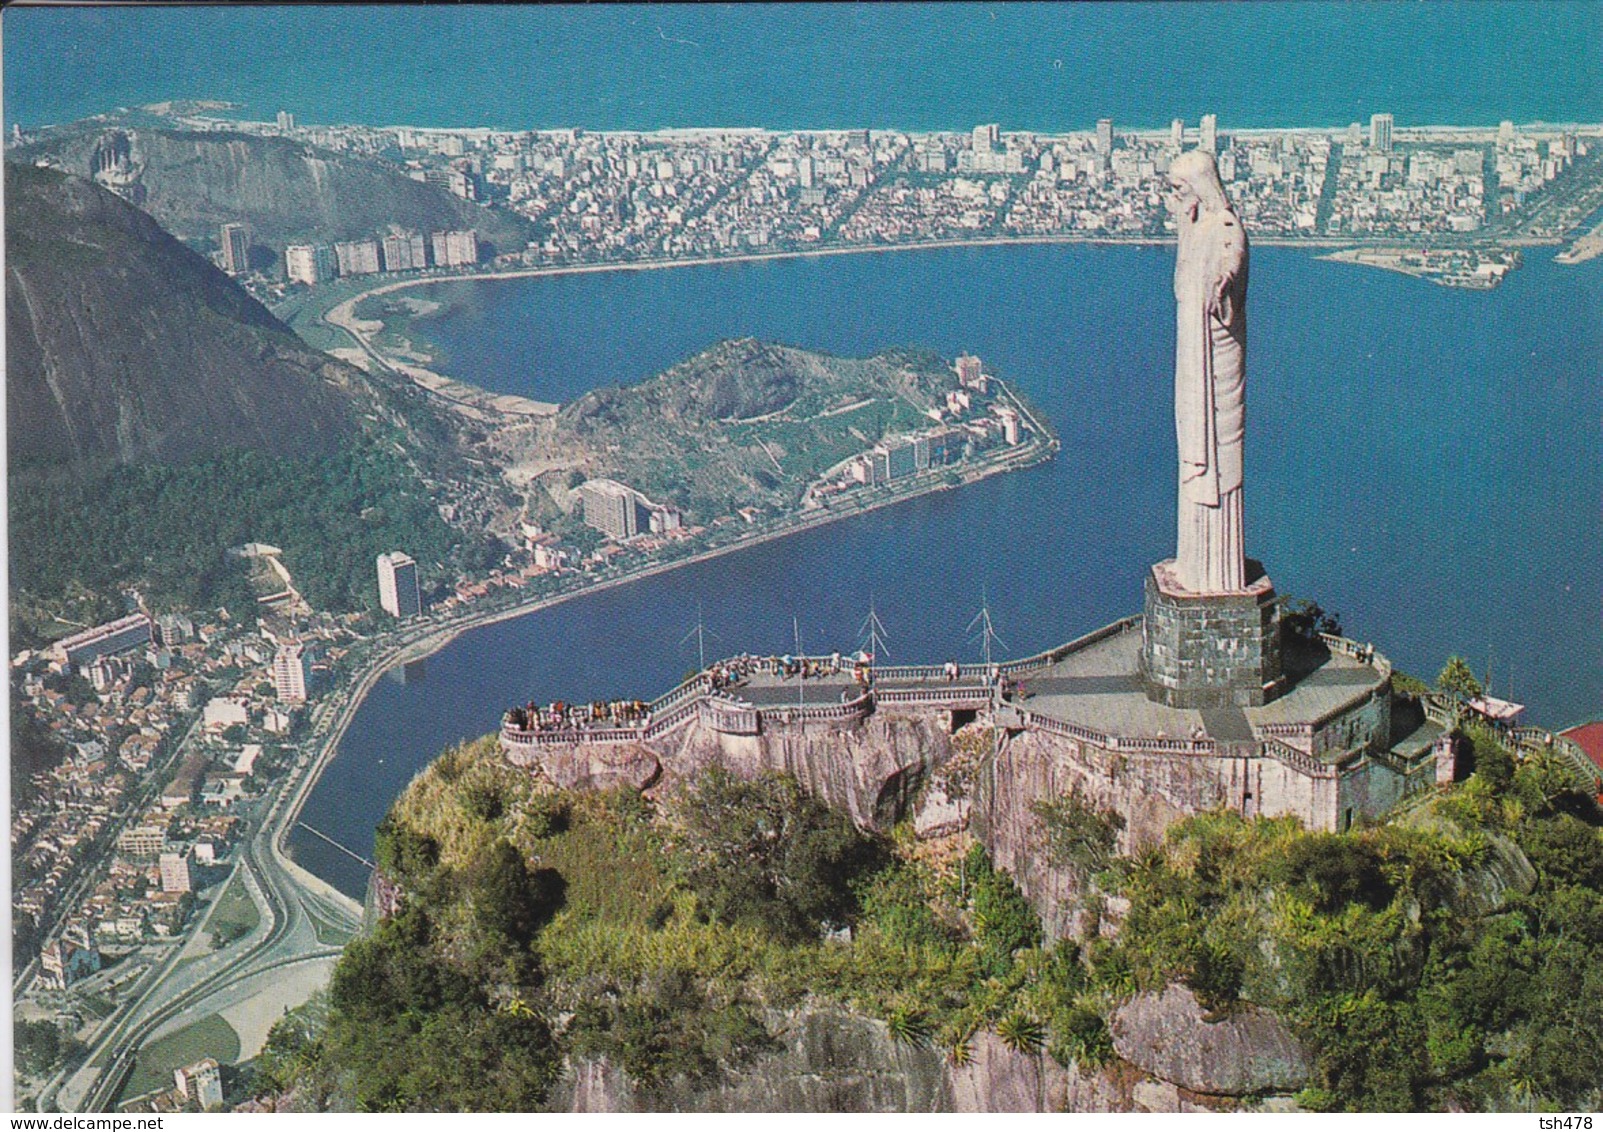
{"type": "Point", "coordinates": [1194, 177]}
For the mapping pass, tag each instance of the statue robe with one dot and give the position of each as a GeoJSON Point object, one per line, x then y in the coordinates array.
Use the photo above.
{"type": "Point", "coordinates": [1210, 290]}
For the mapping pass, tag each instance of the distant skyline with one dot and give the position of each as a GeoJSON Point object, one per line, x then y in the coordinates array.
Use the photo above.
{"type": "Point", "coordinates": [1030, 67]}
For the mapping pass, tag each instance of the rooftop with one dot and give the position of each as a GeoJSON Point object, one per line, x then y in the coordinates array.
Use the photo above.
{"type": "Point", "coordinates": [1099, 687]}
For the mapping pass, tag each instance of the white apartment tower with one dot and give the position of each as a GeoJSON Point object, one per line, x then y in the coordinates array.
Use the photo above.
{"type": "Point", "coordinates": [1380, 133]}
{"type": "Point", "coordinates": [290, 669]}
{"type": "Point", "coordinates": [397, 585]}
{"type": "Point", "coordinates": [1208, 134]}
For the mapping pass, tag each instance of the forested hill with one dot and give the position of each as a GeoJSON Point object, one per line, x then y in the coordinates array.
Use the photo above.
{"type": "Point", "coordinates": [123, 345]}
{"type": "Point", "coordinates": [282, 190]}
{"type": "Point", "coordinates": [157, 414]}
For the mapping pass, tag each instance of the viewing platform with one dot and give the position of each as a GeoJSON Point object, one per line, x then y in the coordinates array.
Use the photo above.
{"type": "Point", "coordinates": [1335, 706]}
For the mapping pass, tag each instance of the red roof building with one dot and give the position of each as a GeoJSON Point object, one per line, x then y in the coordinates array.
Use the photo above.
{"type": "Point", "coordinates": [1588, 737]}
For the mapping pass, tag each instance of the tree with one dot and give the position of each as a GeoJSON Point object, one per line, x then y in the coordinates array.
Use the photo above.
{"type": "Point", "coordinates": [1458, 680]}
{"type": "Point", "coordinates": [1308, 619]}
{"type": "Point", "coordinates": [765, 853]}
{"type": "Point", "coordinates": [508, 899]}
{"type": "Point", "coordinates": [1078, 835]}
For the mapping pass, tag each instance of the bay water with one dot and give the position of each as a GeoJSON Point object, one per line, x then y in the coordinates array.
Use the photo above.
{"type": "Point", "coordinates": [1423, 460]}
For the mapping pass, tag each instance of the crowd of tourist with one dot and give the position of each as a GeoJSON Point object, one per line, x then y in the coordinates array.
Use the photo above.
{"type": "Point", "coordinates": [563, 716]}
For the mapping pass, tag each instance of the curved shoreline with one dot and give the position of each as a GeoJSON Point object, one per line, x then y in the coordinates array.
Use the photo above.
{"type": "Point", "coordinates": [346, 307]}
{"type": "Point", "coordinates": [436, 638]}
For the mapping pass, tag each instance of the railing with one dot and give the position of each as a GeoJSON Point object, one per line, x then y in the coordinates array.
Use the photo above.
{"type": "Point", "coordinates": [1364, 654]}
{"type": "Point", "coordinates": [691, 688]}
{"type": "Point", "coordinates": [666, 722]}
{"type": "Point", "coordinates": [729, 716]}
{"type": "Point", "coordinates": [950, 693]}
{"type": "Point", "coordinates": [808, 713]}
{"type": "Point", "coordinates": [1166, 746]}
{"type": "Point", "coordinates": [1053, 656]}
{"type": "Point", "coordinates": [1394, 763]}
{"type": "Point", "coordinates": [519, 737]}
{"type": "Point", "coordinates": [919, 671]}
{"type": "Point", "coordinates": [1297, 760]}
{"type": "Point", "coordinates": [1537, 739]}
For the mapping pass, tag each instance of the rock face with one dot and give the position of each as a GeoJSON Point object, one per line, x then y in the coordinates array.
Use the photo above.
{"type": "Point", "coordinates": [831, 1060]}
{"type": "Point", "coordinates": [281, 189]}
{"type": "Point", "coordinates": [572, 767]}
{"type": "Point", "coordinates": [1169, 1036]}
{"type": "Point", "coordinates": [123, 345]}
{"type": "Point", "coordinates": [872, 770]}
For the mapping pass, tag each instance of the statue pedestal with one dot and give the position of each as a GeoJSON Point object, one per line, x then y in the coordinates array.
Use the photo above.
{"type": "Point", "coordinates": [1210, 650]}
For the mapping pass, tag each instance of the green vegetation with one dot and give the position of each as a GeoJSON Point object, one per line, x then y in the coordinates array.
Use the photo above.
{"type": "Point", "coordinates": [40, 1047]}
{"type": "Point", "coordinates": [1458, 679]}
{"type": "Point", "coordinates": [169, 526]}
{"type": "Point", "coordinates": [744, 423]}
{"type": "Point", "coordinates": [154, 1065]}
{"type": "Point", "coordinates": [235, 915]}
{"type": "Point", "coordinates": [1418, 961]}
{"type": "Point", "coordinates": [1387, 948]}
{"type": "Point", "coordinates": [659, 934]}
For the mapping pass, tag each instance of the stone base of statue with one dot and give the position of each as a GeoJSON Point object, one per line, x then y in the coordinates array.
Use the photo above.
{"type": "Point", "coordinates": [1210, 650]}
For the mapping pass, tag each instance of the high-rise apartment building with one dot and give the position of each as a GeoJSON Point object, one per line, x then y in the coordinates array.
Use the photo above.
{"type": "Point", "coordinates": [398, 591]}
{"type": "Point", "coordinates": [1177, 132]}
{"type": "Point", "coordinates": [1104, 136]}
{"type": "Point", "coordinates": [291, 668]}
{"type": "Point", "coordinates": [987, 138]}
{"type": "Point", "coordinates": [610, 508]}
{"type": "Point", "coordinates": [174, 868]}
{"type": "Point", "coordinates": [455, 249]}
{"type": "Point", "coordinates": [236, 249]}
{"type": "Point", "coordinates": [357, 257]}
{"type": "Point", "coordinates": [310, 263]}
{"type": "Point", "coordinates": [1380, 126]}
{"type": "Point", "coordinates": [404, 251]}
{"type": "Point", "coordinates": [201, 1082]}
{"type": "Point", "coordinates": [286, 121]}
{"type": "Point", "coordinates": [1208, 134]}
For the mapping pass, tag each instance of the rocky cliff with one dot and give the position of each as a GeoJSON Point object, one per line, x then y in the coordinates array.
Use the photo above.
{"type": "Point", "coordinates": [123, 345]}
{"type": "Point", "coordinates": [832, 1060]}
{"type": "Point", "coordinates": [281, 189]}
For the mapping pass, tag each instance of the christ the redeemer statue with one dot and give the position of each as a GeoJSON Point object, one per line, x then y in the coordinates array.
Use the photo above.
{"type": "Point", "coordinates": [1210, 290]}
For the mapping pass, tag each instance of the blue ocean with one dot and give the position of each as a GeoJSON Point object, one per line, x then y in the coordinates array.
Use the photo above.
{"type": "Point", "coordinates": [916, 67]}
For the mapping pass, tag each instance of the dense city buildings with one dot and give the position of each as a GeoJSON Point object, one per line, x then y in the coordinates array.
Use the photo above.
{"type": "Point", "coordinates": [398, 592]}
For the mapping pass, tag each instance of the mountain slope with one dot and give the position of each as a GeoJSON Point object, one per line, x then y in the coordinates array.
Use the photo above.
{"type": "Point", "coordinates": [282, 189]}
{"type": "Point", "coordinates": [123, 345]}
